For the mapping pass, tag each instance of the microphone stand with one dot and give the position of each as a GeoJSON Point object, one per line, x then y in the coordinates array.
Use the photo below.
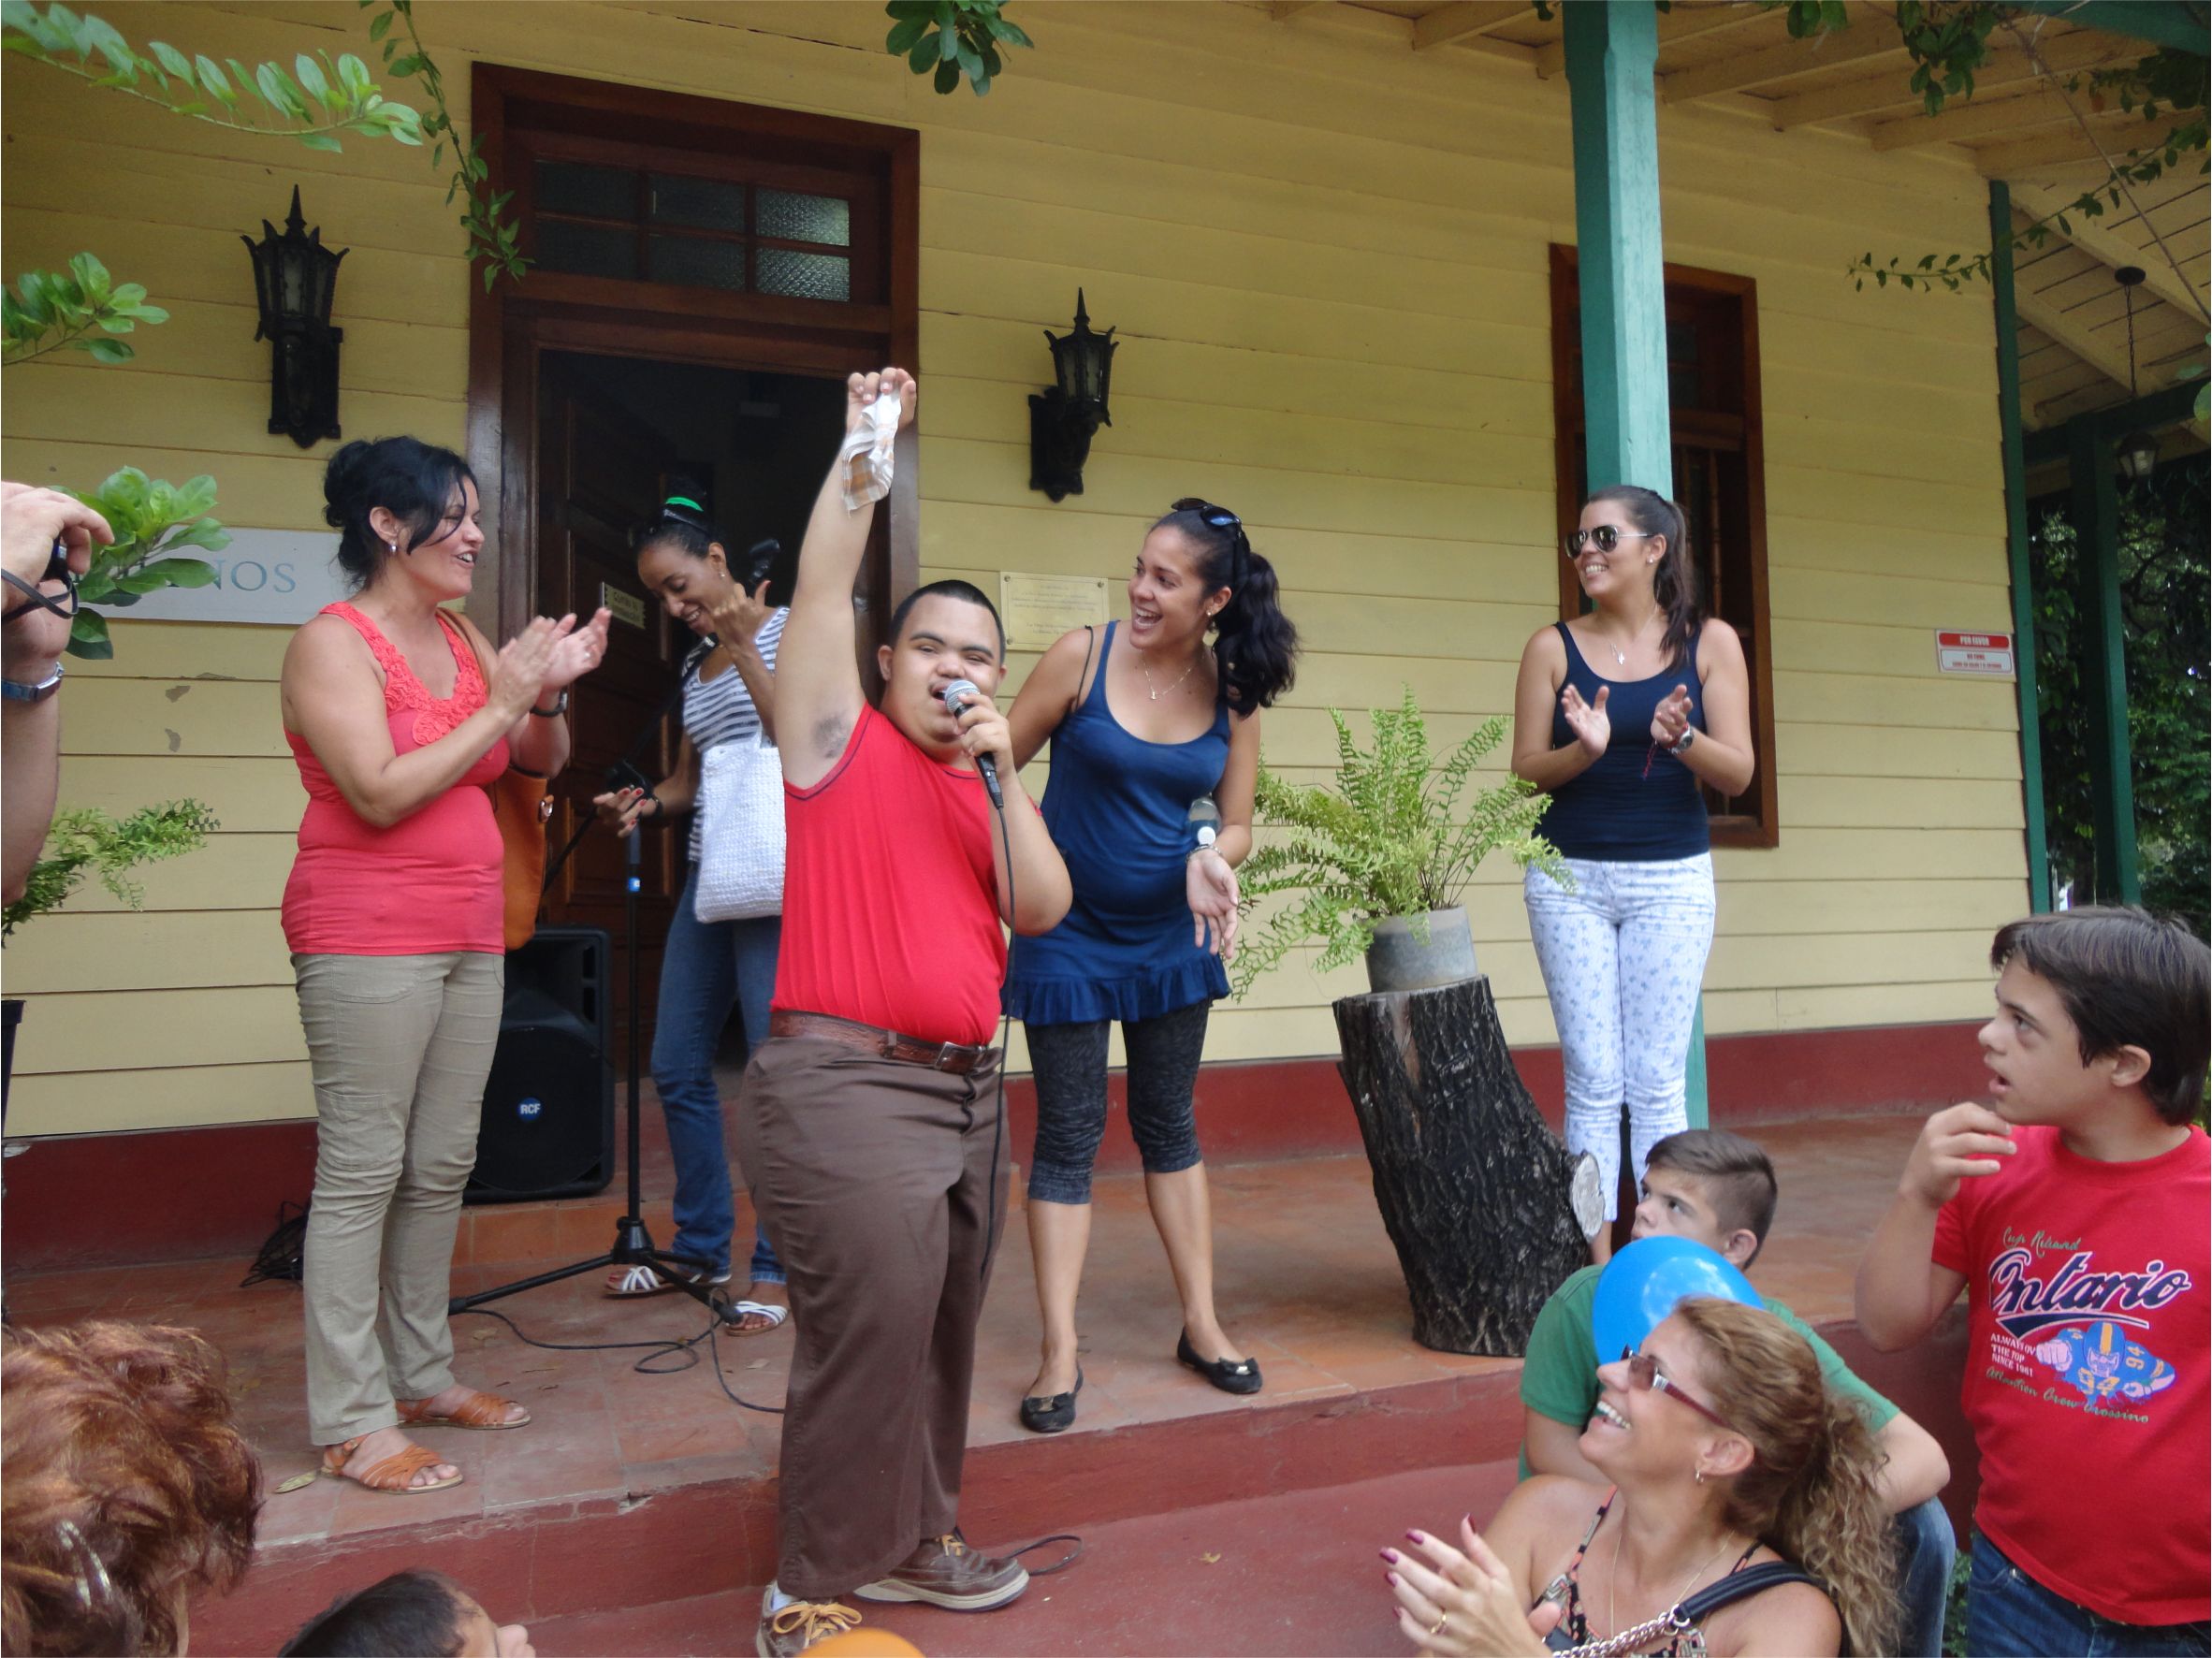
{"type": "Point", "coordinates": [634, 1242]}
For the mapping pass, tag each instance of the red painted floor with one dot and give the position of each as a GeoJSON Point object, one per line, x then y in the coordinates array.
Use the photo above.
{"type": "Point", "coordinates": [636, 1488]}
{"type": "Point", "coordinates": [1291, 1573]}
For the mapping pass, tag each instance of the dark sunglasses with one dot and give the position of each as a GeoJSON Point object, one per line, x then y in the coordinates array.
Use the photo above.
{"type": "Point", "coordinates": [1219, 517]}
{"type": "Point", "coordinates": [1605, 537]}
{"type": "Point", "coordinates": [1643, 1370]}
{"type": "Point", "coordinates": [63, 605]}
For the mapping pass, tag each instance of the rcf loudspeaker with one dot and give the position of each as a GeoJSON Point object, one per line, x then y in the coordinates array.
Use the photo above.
{"type": "Point", "coordinates": [548, 1128]}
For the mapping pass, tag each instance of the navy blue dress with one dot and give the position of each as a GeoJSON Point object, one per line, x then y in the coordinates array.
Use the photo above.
{"type": "Point", "coordinates": [1118, 809]}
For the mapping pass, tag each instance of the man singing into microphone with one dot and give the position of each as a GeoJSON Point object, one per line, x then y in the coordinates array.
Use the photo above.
{"type": "Point", "coordinates": [869, 1122]}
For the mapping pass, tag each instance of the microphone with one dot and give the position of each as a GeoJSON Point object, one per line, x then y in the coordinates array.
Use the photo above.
{"type": "Point", "coordinates": [957, 696]}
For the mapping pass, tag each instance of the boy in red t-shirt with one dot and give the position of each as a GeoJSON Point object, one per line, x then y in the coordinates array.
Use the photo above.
{"type": "Point", "coordinates": [2074, 1215]}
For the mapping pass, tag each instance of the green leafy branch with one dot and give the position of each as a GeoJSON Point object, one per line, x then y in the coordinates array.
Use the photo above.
{"type": "Point", "coordinates": [313, 101]}
{"type": "Point", "coordinates": [155, 522]}
{"type": "Point", "coordinates": [1386, 840]}
{"type": "Point", "coordinates": [86, 842]}
{"type": "Point", "coordinates": [49, 312]}
{"type": "Point", "coordinates": [492, 238]}
{"type": "Point", "coordinates": [954, 40]}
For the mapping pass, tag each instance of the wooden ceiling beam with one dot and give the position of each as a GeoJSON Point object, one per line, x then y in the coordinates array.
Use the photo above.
{"type": "Point", "coordinates": [2109, 360]}
{"type": "Point", "coordinates": [1887, 91]}
{"type": "Point", "coordinates": [1457, 21]}
{"type": "Point", "coordinates": [2109, 248]}
{"type": "Point", "coordinates": [1866, 38]}
{"type": "Point", "coordinates": [1684, 22]}
{"type": "Point", "coordinates": [1284, 11]}
{"type": "Point", "coordinates": [1962, 122]}
{"type": "Point", "coordinates": [2063, 149]}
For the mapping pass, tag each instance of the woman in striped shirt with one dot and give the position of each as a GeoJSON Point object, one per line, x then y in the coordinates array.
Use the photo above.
{"type": "Point", "coordinates": [709, 967]}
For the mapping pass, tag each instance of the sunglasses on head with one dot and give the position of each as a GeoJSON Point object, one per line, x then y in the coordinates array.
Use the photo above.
{"type": "Point", "coordinates": [1643, 1370]}
{"type": "Point", "coordinates": [1219, 517]}
{"type": "Point", "coordinates": [1605, 537]}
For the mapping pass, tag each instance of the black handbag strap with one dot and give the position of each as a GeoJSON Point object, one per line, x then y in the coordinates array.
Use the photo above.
{"type": "Point", "coordinates": [1738, 1585]}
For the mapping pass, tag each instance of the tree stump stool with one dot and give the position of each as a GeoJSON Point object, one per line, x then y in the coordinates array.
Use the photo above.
{"type": "Point", "coordinates": [1472, 1184]}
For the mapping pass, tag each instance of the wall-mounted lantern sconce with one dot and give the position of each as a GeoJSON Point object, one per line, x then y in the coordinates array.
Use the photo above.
{"type": "Point", "coordinates": [2138, 452]}
{"type": "Point", "coordinates": [1065, 417]}
{"type": "Point", "coordinates": [295, 280]}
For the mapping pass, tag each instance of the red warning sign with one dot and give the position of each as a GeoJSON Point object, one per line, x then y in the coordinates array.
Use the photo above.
{"type": "Point", "coordinates": [1989, 655]}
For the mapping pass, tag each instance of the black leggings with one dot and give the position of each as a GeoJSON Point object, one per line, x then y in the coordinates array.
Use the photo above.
{"type": "Point", "coordinates": [1069, 1062]}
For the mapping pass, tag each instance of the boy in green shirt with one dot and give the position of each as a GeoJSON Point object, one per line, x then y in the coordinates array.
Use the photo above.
{"type": "Point", "coordinates": [1718, 1189]}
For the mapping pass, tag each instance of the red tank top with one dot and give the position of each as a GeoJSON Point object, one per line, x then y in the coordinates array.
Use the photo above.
{"type": "Point", "coordinates": [890, 906]}
{"type": "Point", "coordinates": [430, 883]}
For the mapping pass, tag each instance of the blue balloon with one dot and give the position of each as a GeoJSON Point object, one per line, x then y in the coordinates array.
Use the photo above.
{"type": "Point", "coordinates": [1641, 1284]}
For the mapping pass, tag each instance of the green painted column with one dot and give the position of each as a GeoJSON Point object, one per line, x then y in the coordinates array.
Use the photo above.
{"type": "Point", "coordinates": [2017, 527]}
{"type": "Point", "coordinates": [1612, 52]}
{"type": "Point", "coordinates": [1612, 58]}
{"type": "Point", "coordinates": [2105, 671]}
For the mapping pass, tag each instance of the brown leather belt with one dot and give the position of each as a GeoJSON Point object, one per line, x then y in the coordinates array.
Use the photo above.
{"type": "Point", "coordinates": [885, 1044]}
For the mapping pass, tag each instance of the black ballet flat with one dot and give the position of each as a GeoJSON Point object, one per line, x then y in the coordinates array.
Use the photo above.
{"type": "Point", "coordinates": [1054, 1415]}
{"type": "Point", "coordinates": [1231, 1375]}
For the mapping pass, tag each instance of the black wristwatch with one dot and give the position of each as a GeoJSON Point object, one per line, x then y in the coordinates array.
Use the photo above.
{"type": "Point", "coordinates": [558, 709]}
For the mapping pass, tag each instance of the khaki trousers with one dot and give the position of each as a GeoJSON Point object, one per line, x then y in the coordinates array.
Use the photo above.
{"type": "Point", "coordinates": [874, 1179]}
{"type": "Point", "coordinates": [400, 1047]}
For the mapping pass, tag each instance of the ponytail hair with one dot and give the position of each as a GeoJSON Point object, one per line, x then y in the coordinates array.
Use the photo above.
{"type": "Point", "coordinates": [412, 480]}
{"type": "Point", "coordinates": [1812, 1491]}
{"type": "Point", "coordinates": [1255, 645]}
{"type": "Point", "coordinates": [1674, 584]}
{"type": "Point", "coordinates": [681, 523]}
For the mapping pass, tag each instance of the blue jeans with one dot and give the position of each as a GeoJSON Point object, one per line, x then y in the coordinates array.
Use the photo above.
{"type": "Point", "coordinates": [1927, 1548]}
{"type": "Point", "coordinates": [2009, 1612]}
{"type": "Point", "coordinates": [709, 968]}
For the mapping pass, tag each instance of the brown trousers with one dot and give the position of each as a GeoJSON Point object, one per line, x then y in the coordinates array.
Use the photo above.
{"type": "Point", "coordinates": [874, 1181]}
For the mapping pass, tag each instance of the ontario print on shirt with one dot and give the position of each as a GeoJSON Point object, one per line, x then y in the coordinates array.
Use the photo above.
{"type": "Point", "coordinates": [2077, 1333]}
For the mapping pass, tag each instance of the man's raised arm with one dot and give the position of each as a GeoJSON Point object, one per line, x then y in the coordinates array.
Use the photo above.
{"type": "Point", "coordinates": [818, 693]}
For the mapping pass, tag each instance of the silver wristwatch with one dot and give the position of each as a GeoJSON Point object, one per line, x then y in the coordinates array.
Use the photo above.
{"type": "Point", "coordinates": [1682, 744]}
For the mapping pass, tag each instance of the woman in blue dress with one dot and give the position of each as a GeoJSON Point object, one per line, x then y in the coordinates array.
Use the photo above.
{"type": "Point", "coordinates": [1143, 722]}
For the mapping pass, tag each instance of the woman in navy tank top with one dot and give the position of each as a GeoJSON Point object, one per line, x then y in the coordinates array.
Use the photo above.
{"type": "Point", "coordinates": [1143, 720]}
{"type": "Point", "coordinates": [1620, 715]}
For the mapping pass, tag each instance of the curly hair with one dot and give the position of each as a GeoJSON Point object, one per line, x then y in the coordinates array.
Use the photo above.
{"type": "Point", "coordinates": [129, 1487]}
{"type": "Point", "coordinates": [1813, 1491]}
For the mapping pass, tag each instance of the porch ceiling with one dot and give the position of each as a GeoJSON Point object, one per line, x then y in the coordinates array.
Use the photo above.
{"type": "Point", "coordinates": [2018, 127]}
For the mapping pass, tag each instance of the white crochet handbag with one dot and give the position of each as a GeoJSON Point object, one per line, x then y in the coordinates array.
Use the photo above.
{"type": "Point", "coordinates": [740, 832]}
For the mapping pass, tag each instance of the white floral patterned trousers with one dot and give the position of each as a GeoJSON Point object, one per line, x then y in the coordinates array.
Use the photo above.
{"type": "Point", "coordinates": [1623, 959]}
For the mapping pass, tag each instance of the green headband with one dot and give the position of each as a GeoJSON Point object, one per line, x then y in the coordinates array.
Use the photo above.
{"type": "Point", "coordinates": [684, 500]}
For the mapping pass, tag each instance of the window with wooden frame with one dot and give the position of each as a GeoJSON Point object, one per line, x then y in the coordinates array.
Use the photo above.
{"type": "Point", "coordinates": [1712, 374]}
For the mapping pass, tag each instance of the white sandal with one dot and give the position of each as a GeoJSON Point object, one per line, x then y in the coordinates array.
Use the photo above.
{"type": "Point", "coordinates": [646, 1279]}
{"type": "Point", "coordinates": [768, 1310]}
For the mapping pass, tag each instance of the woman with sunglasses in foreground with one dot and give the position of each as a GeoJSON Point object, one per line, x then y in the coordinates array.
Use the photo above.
{"type": "Point", "coordinates": [1620, 715]}
{"type": "Point", "coordinates": [1731, 1463]}
{"type": "Point", "coordinates": [1143, 724]}
{"type": "Point", "coordinates": [708, 968]}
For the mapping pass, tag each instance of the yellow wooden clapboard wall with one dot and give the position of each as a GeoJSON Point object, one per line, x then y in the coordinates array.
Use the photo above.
{"type": "Point", "coordinates": [1327, 261]}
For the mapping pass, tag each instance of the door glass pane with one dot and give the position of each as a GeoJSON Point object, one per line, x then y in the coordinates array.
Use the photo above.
{"type": "Point", "coordinates": [697, 263]}
{"type": "Point", "coordinates": [804, 276]}
{"type": "Point", "coordinates": [825, 219]}
{"type": "Point", "coordinates": [587, 250]}
{"type": "Point", "coordinates": [598, 192]}
{"type": "Point", "coordinates": [709, 203]}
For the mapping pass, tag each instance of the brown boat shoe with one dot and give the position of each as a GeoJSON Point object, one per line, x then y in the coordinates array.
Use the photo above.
{"type": "Point", "coordinates": [946, 1571]}
{"type": "Point", "coordinates": [787, 1630]}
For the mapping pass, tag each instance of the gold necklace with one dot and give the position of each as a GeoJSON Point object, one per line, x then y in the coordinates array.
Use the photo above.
{"type": "Point", "coordinates": [1613, 1579]}
{"type": "Point", "coordinates": [1155, 692]}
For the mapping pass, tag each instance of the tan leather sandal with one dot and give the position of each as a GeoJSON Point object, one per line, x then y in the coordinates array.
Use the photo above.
{"type": "Point", "coordinates": [485, 1412]}
{"type": "Point", "coordinates": [393, 1474]}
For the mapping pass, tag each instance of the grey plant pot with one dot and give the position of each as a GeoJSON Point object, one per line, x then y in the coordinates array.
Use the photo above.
{"type": "Point", "coordinates": [1401, 959]}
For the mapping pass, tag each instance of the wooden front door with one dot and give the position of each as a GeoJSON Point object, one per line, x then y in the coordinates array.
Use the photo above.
{"type": "Point", "coordinates": [598, 471]}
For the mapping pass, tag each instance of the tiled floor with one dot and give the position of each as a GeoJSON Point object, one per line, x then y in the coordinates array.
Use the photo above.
{"type": "Point", "coordinates": [1307, 1277]}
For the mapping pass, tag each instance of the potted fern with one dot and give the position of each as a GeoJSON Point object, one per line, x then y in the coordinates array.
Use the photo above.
{"type": "Point", "coordinates": [1381, 857]}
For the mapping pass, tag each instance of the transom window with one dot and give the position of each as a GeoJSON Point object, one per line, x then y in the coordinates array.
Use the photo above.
{"type": "Point", "coordinates": [646, 224]}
